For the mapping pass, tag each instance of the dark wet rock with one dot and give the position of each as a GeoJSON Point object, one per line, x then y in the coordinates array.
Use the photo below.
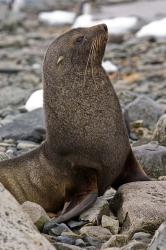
{"type": "Point", "coordinates": [28, 126]}
{"type": "Point", "coordinates": [160, 131]}
{"type": "Point", "coordinates": [159, 240]}
{"type": "Point", "coordinates": [153, 159]}
{"type": "Point", "coordinates": [144, 108]}
{"type": "Point", "coordinates": [140, 206]}
{"type": "Point", "coordinates": [55, 229]}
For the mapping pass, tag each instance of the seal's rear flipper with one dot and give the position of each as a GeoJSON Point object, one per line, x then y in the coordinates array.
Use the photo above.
{"type": "Point", "coordinates": [132, 171]}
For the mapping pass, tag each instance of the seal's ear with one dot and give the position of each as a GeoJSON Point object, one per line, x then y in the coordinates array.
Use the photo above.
{"type": "Point", "coordinates": [60, 59]}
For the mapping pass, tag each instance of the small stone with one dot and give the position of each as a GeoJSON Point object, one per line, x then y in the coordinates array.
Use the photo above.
{"type": "Point", "coordinates": [100, 207]}
{"type": "Point", "coordinates": [80, 243]}
{"type": "Point", "coordinates": [75, 224]}
{"type": "Point", "coordinates": [160, 131]}
{"type": "Point", "coordinates": [3, 156]}
{"type": "Point", "coordinates": [141, 236]}
{"type": "Point", "coordinates": [110, 223]}
{"type": "Point", "coordinates": [27, 145]}
{"type": "Point", "coordinates": [96, 231]}
{"type": "Point", "coordinates": [137, 124]}
{"type": "Point", "coordinates": [58, 229]}
{"type": "Point", "coordinates": [71, 235]}
{"type": "Point", "coordinates": [118, 240]}
{"type": "Point", "coordinates": [36, 213]}
{"type": "Point", "coordinates": [109, 194]}
{"type": "Point", "coordinates": [135, 245]}
{"type": "Point", "coordinates": [63, 246]}
{"type": "Point", "coordinates": [65, 239]}
{"type": "Point", "coordinates": [93, 241]}
{"type": "Point", "coordinates": [162, 178]}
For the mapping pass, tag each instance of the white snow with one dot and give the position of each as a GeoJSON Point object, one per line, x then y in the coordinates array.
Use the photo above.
{"type": "Point", "coordinates": [35, 101]}
{"type": "Point", "coordinates": [155, 29]}
{"type": "Point", "coordinates": [117, 25]}
{"type": "Point", "coordinates": [57, 17]}
{"type": "Point", "coordinates": [109, 66]}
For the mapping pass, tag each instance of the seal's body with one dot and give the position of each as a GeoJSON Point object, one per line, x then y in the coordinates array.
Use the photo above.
{"type": "Point", "coordinates": [87, 147]}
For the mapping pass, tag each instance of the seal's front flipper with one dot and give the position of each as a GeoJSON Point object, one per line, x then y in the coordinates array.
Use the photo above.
{"type": "Point", "coordinates": [83, 197]}
{"type": "Point", "coordinates": [131, 172]}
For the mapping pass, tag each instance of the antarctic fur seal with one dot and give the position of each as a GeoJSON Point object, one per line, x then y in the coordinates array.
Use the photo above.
{"type": "Point", "coordinates": [87, 147]}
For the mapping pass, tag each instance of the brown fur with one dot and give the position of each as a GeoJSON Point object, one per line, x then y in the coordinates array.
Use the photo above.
{"type": "Point", "coordinates": [85, 131]}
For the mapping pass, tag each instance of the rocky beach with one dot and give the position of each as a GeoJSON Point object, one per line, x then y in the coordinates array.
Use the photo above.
{"type": "Point", "coordinates": [134, 217]}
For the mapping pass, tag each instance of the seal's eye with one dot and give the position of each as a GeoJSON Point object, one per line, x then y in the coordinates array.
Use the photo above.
{"type": "Point", "coordinates": [79, 39]}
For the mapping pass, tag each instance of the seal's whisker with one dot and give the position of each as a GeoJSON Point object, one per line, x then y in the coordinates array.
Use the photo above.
{"type": "Point", "coordinates": [86, 67]}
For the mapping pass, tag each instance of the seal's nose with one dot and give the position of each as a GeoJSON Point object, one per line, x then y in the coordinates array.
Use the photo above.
{"type": "Point", "coordinates": [105, 27]}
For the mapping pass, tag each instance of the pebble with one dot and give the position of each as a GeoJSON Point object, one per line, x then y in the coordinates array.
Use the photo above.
{"type": "Point", "coordinates": [110, 223]}
{"type": "Point", "coordinates": [97, 232]}
{"type": "Point", "coordinates": [118, 240]}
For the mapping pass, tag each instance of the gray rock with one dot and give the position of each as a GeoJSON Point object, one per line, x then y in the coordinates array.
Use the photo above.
{"type": "Point", "coordinates": [36, 213]}
{"type": "Point", "coordinates": [160, 131]}
{"type": "Point", "coordinates": [80, 243]}
{"type": "Point", "coordinates": [96, 231]}
{"type": "Point", "coordinates": [63, 246]}
{"type": "Point", "coordinates": [144, 108]}
{"type": "Point", "coordinates": [153, 159]}
{"type": "Point", "coordinates": [159, 240]}
{"type": "Point", "coordinates": [17, 230]}
{"type": "Point", "coordinates": [65, 239]}
{"type": "Point", "coordinates": [28, 126]}
{"type": "Point", "coordinates": [140, 206]}
{"type": "Point", "coordinates": [142, 236]}
{"type": "Point", "coordinates": [58, 229]}
{"type": "Point", "coordinates": [135, 245]}
{"type": "Point", "coordinates": [126, 97]}
{"type": "Point", "coordinates": [100, 207]}
{"type": "Point", "coordinates": [12, 96]}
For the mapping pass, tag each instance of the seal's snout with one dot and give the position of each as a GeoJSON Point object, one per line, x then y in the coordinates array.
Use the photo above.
{"type": "Point", "coordinates": [104, 26]}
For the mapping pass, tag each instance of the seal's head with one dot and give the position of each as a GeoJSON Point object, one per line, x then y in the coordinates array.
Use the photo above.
{"type": "Point", "coordinates": [76, 49]}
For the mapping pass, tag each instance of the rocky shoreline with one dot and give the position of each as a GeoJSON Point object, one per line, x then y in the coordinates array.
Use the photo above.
{"type": "Point", "coordinates": [134, 217]}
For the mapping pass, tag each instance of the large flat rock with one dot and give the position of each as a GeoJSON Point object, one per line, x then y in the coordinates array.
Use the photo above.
{"type": "Point", "coordinates": [17, 231]}
{"type": "Point", "coordinates": [140, 206]}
